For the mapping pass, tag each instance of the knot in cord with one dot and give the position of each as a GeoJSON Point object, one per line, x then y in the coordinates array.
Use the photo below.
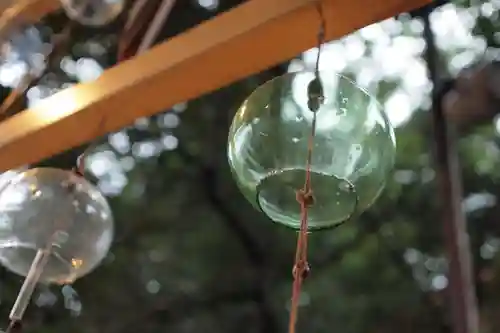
{"type": "Point", "coordinates": [305, 197]}
{"type": "Point", "coordinates": [301, 270]}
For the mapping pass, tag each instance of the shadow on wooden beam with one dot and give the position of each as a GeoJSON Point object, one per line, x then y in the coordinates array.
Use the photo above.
{"type": "Point", "coordinates": [235, 44]}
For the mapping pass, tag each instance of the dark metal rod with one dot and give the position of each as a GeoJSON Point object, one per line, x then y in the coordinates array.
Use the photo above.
{"type": "Point", "coordinates": [462, 297]}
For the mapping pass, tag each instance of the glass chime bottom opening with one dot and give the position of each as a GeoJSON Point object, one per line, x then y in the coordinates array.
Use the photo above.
{"type": "Point", "coordinates": [335, 198]}
{"type": "Point", "coordinates": [18, 259]}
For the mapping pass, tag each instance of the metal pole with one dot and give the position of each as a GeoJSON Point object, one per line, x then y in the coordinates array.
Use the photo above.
{"type": "Point", "coordinates": [461, 289]}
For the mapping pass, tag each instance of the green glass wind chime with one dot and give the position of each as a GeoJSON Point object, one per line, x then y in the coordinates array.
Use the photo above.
{"type": "Point", "coordinates": [310, 150]}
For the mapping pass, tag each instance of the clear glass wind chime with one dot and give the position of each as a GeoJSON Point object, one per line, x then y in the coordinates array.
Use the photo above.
{"type": "Point", "coordinates": [55, 226]}
{"type": "Point", "coordinates": [310, 150]}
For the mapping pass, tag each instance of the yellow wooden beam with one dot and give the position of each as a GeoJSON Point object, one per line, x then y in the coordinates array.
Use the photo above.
{"type": "Point", "coordinates": [37, 9]}
{"type": "Point", "coordinates": [235, 44]}
{"type": "Point", "coordinates": [4, 5]}
{"type": "Point", "coordinates": [26, 11]}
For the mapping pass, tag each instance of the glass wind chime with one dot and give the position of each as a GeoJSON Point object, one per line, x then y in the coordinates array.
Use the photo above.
{"type": "Point", "coordinates": [310, 150]}
{"type": "Point", "coordinates": [55, 226]}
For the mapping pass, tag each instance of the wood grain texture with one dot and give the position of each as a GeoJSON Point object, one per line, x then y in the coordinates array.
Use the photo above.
{"type": "Point", "coordinates": [245, 40]}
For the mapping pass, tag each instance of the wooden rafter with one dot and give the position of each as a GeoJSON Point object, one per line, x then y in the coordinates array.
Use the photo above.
{"type": "Point", "coordinates": [30, 10]}
{"type": "Point", "coordinates": [235, 44]}
{"type": "Point", "coordinates": [39, 8]}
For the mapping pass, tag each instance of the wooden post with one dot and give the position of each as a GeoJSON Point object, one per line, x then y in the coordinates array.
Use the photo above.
{"type": "Point", "coordinates": [461, 290]}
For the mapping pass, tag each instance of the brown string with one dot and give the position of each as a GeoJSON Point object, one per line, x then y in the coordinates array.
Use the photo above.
{"type": "Point", "coordinates": [157, 23]}
{"type": "Point", "coordinates": [145, 20]}
{"type": "Point", "coordinates": [301, 267]}
{"type": "Point", "coordinates": [305, 196]}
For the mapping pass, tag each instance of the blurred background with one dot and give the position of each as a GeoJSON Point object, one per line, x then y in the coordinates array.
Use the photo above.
{"type": "Point", "coordinates": [191, 255]}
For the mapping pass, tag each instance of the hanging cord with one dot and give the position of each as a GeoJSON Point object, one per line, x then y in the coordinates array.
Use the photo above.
{"type": "Point", "coordinates": [305, 196]}
{"type": "Point", "coordinates": [145, 20]}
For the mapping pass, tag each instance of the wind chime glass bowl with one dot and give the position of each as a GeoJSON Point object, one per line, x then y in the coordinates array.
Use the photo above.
{"type": "Point", "coordinates": [93, 12]}
{"type": "Point", "coordinates": [52, 207]}
{"type": "Point", "coordinates": [353, 152]}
